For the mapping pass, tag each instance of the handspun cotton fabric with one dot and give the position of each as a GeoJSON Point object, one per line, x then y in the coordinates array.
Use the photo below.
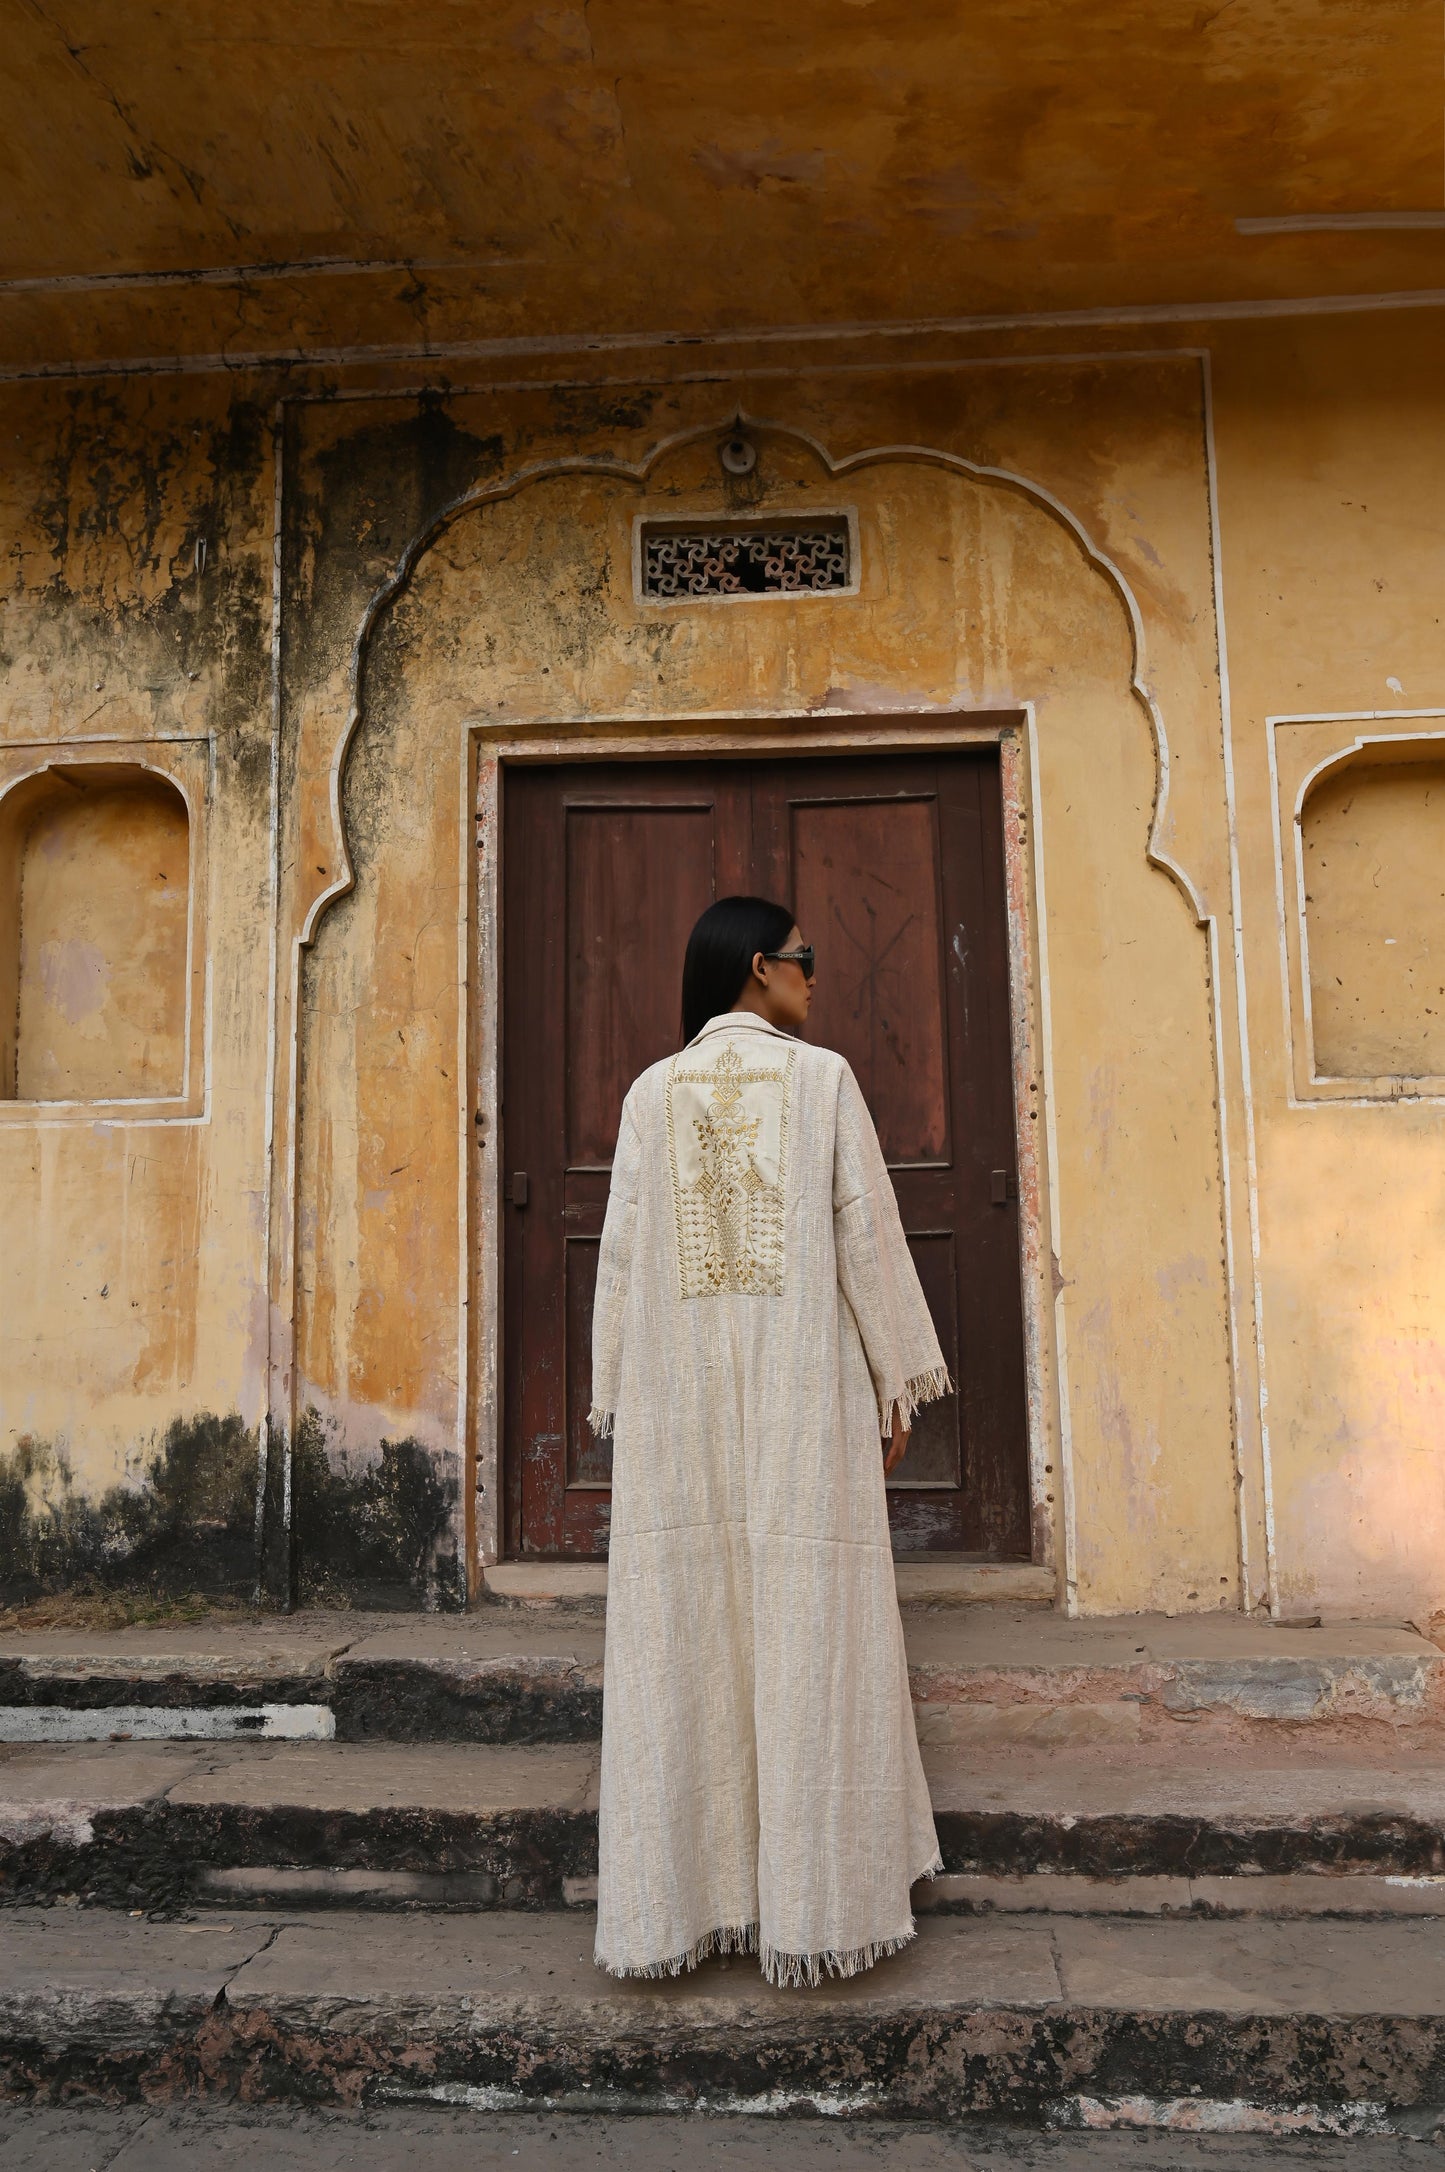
{"type": "Point", "coordinates": [758, 1321]}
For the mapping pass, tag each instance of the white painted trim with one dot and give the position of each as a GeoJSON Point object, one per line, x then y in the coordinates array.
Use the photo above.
{"type": "Point", "coordinates": [894, 366]}
{"type": "Point", "coordinates": [1246, 1084]}
{"type": "Point", "coordinates": [355, 267]}
{"type": "Point", "coordinates": [466, 852]}
{"type": "Point", "coordinates": [1287, 1006]}
{"type": "Point", "coordinates": [191, 1106]}
{"type": "Point", "coordinates": [1345, 222]}
{"type": "Point", "coordinates": [1307, 1087]}
{"type": "Point", "coordinates": [241, 275]}
{"type": "Point", "coordinates": [1044, 1432]}
{"type": "Point", "coordinates": [1351, 716]}
{"type": "Point", "coordinates": [273, 987]}
{"type": "Point", "coordinates": [484, 1266]}
{"type": "Point", "coordinates": [167, 1723]}
{"type": "Point", "coordinates": [544, 345]}
{"type": "Point", "coordinates": [1069, 1562]}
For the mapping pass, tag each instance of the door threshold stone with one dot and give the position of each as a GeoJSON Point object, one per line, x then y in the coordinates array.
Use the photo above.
{"type": "Point", "coordinates": [921, 1582]}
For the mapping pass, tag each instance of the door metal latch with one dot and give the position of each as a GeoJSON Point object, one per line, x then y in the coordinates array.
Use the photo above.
{"type": "Point", "coordinates": [1003, 1187]}
{"type": "Point", "coordinates": [515, 1188]}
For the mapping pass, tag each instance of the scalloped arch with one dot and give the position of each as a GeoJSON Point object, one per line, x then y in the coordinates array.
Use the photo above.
{"type": "Point", "coordinates": [638, 473]}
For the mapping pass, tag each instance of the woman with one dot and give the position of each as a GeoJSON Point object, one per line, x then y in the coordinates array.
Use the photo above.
{"type": "Point", "coordinates": [759, 1326]}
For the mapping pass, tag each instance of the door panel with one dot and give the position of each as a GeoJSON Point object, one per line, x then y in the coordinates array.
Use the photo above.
{"type": "Point", "coordinates": [865, 886]}
{"type": "Point", "coordinates": [895, 868]}
{"type": "Point", "coordinates": [629, 870]}
{"type": "Point", "coordinates": [601, 867]}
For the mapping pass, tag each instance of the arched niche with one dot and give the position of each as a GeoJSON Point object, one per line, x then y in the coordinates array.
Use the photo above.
{"type": "Point", "coordinates": [95, 890]}
{"type": "Point", "coordinates": [519, 614]}
{"type": "Point", "coordinates": [1372, 841]}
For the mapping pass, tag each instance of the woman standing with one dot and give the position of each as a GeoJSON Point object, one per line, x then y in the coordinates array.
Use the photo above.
{"type": "Point", "coordinates": [758, 1327]}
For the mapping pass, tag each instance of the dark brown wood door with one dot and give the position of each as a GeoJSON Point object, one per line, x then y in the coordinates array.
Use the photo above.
{"type": "Point", "coordinates": [895, 868]}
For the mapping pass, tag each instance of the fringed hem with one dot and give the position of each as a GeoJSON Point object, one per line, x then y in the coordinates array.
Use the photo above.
{"type": "Point", "coordinates": [789, 1971]}
{"type": "Point", "coordinates": [727, 1938]}
{"type": "Point", "coordinates": [805, 1971]}
{"type": "Point", "coordinates": [922, 1388]}
{"type": "Point", "coordinates": [600, 1422]}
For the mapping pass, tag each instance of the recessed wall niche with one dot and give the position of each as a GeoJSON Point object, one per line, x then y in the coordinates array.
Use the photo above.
{"type": "Point", "coordinates": [1372, 863]}
{"type": "Point", "coordinates": [96, 936]}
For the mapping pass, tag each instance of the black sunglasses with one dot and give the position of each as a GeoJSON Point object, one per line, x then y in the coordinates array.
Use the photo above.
{"type": "Point", "coordinates": [804, 958]}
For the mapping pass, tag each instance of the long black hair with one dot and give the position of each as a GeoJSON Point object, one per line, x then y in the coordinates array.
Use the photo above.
{"type": "Point", "coordinates": [720, 953]}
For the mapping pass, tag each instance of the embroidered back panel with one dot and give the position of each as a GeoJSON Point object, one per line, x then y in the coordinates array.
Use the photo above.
{"type": "Point", "coordinates": [727, 1143]}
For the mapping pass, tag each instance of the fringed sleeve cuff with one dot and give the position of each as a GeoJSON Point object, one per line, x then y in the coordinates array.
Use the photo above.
{"type": "Point", "coordinates": [922, 1388]}
{"type": "Point", "coordinates": [600, 1422]}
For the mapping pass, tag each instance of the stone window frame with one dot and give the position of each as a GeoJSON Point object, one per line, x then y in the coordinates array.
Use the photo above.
{"type": "Point", "coordinates": [186, 764]}
{"type": "Point", "coordinates": [1303, 752]}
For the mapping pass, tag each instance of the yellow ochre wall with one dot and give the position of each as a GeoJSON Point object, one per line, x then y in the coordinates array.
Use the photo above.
{"type": "Point", "coordinates": [1332, 505]}
{"type": "Point", "coordinates": [1235, 1365]}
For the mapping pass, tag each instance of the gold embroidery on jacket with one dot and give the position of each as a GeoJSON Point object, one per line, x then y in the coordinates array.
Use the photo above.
{"type": "Point", "coordinates": [727, 1142]}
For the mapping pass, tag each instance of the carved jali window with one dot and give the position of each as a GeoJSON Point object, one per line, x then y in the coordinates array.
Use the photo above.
{"type": "Point", "coordinates": [763, 559]}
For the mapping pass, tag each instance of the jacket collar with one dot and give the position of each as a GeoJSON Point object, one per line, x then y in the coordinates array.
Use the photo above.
{"type": "Point", "coordinates": [739, 1022]}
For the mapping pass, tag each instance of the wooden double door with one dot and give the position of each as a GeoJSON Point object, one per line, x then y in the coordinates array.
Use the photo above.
{"type": "Point", "coordinates": [894, 867]}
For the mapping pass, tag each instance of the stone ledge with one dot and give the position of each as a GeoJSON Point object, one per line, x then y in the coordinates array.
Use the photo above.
{"type": "Point", "coordinates": [983, 1676]}
{"type": "Point", "coordinates": [1297, 1894]}
{"type": "Point", "coordinates": [920, 1582]}
{"type": "Point", "coordinates": [977, 2018]}
{"type": "Point", "coordinates": [161, 1826]}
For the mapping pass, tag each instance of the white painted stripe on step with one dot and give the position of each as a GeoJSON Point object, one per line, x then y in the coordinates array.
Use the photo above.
{"type": "Point", "coordinates": [766, 2104]}
{"type": "Point", "coordinates": [1222, 2115]}
{"type": "Point", "coordinates": [160, 1723]}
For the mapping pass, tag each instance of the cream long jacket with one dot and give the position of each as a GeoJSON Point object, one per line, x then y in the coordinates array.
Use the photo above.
{"type": "Point", "coordinates": [758, 1319]}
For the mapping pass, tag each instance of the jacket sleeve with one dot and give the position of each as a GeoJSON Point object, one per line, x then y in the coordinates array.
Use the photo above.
{"type": "Point", "coordinates": [614, 1271]}
{"type": "Point", "coordinates": [876, 1271]}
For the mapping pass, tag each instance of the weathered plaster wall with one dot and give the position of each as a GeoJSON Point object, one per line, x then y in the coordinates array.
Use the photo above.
{"type": "Point", "coordinates": [132, 1254]}
{"type": "Point", "coordinates": [976, 595]}
{"type": "Point", "coordinates": [134, 1322]}
{"type": "Point", "coordinates": [1332, 483]}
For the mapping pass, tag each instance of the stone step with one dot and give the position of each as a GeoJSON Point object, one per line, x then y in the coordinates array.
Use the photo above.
{"type": "Point", "coordinates": [983, 1677]}
{"type": "Point", "coordinates": [165, 1825]}
{"type": "Point", "coordinates": [927, 1579]}
{"type": "Point", "coordinates": [1065, 2020]}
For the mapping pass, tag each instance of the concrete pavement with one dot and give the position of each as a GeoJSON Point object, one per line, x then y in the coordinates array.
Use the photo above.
{"type": "Point", "coordinates": [237, 2139]}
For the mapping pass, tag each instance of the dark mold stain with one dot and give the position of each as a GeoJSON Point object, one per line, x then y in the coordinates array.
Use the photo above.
{"type": "Point", "coordinates": [523, 1700]}
{"type": "Point", "coordinates": [348, 522]}
{"type": "Point", "coordinates": [908, 2060]}
{"type": "Point", "coordinates": [1122, 1845]}
{"type": "Point", "coordinates": [377, 1531]}
{"type": "Point", "coordinates": [118, 489]}
{"type": "Point", "coordinates": [513, 1700]}
{"type": "Point", "coordinates": [155, 1855]}
{"type": "Point", "coordinates": [187, 1524]}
